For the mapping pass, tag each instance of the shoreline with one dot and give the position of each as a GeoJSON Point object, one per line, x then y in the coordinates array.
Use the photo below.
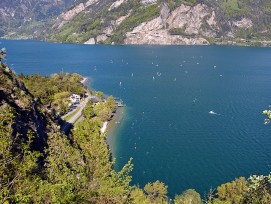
{"type": "Point", "coordinates": [103, 129]}
{"type": "Point", "coordinates": [83, 81]}
{"type": "Point", "coordinates": [109, 127]}
{"type": "Point", "coordinates": [260, 43]}
{"type": "Point", "coordinates": [113, 128]}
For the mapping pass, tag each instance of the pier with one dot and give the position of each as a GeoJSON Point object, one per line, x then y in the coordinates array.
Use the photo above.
{"type": "Point", "coordinates": [119, 103]}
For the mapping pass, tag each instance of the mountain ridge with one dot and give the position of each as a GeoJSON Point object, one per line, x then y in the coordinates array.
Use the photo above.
{"type": "Point", "coordinates": [157, 22]}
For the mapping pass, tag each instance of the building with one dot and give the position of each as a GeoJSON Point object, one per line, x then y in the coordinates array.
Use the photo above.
{"type": "Point", "coordinates": [75, 98]}
{"type": "Point", "coordinates": [95, 99]}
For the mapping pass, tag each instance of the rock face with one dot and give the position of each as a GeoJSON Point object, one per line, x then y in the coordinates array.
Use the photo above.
{"type": "Point", "coordinates": [91, 41]}
{"type": "Point", "coordinates": [189, 19]}
{"type": "Point", "coordinates": [162, 37]}
{"type": "Point", "coordinates": [122, 18]}
{"type": "Point", "coordinates": [148, 1]}
{"type": "Point", "coordinates": [116, 4]}
{"type": "Point", "coordinates": [165, 11]}
{"type": "Point", "coordinates": [243, 23]}
{"type": "Point", "coordinates": [108, 31]}
{"type": "Point", "coordinates": [70, 14]}
{"type": "Point", "coordinates": [101, 38]}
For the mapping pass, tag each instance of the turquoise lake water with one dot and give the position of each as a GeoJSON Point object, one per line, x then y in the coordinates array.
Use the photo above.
{"type": "Point", "coordinates": [194, 114]}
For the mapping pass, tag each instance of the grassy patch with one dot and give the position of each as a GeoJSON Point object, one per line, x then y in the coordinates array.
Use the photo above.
{"type": "Point", "coordinates": [233, 4]}
{"type": "Point", "coordinates": [231, 8]}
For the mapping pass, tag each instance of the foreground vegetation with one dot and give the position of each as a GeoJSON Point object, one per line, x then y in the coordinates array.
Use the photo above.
{"type": "Point", "coordinates": [39, 164]}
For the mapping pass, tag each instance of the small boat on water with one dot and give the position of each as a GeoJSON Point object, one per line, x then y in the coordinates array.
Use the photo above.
{"type": "Point", "coordinates": [213, 113]}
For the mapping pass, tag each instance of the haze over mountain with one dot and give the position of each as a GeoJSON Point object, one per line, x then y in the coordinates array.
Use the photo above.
{"type": "Point", "coordinates": [139, 21]}
{"type": "Point", "coordinates": [17, 14]}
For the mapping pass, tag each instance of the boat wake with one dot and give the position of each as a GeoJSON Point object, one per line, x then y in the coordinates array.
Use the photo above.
{"type": "Point", "coordinates": [213, 113]}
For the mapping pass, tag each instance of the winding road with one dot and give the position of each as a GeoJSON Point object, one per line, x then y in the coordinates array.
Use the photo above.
{"type": "Point", "coordinates": [66, 127]}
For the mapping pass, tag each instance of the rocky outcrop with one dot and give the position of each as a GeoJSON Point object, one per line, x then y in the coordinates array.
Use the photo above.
{"type": "Point", "coordinates": [162, 37]}
{"type": "Point", "coordinates": [164, 13]}
{"type": "Point", "coordinates": [116, 4]}
{"type": "Point", "coordinates": [91, 41]}
{"type": "Point", "coordinates": [189, 19]}
{"type": "Point", "coordinates": [145, 2]}
{"type": "Point", "coordinates": [101, 38]}
{"type": "Point", "coordinates": [122, 18]}
{"type": "Point", "coordinates": [65, 17]}
{"type": "Point", "coordinates": [243, 23]}
{"type": "Point", "coordinates": [108, 31]}
{"type": "Point", "coordinates": [70, 14]}
{"type": "Point", "coordinates": [192, 19]}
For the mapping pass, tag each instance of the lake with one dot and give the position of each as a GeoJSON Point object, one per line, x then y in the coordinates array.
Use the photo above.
{"type": "Point", "coordinates": [194, 113]}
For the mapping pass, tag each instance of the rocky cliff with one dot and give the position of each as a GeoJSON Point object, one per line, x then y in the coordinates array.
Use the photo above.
{"type": "Point", "coordinates": [186, 18]}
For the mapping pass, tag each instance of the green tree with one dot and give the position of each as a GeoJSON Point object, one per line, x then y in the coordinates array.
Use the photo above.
{"type": "Point", "coordinates": [233, 191]}
{"type": "Point", "coordinates": [18, 163]}
{"type": "Point", "coordinates": [88, 111]}
{"type": "Point", "coordinates": [110, 103]}
{"type": "Point", "coordinates": [61, 100]}
{"type": "Point", "coordinates": [108, 185]}
{"type": "Point", "coordinates": [138, 196]}
{"type": "Point", "coordinates": [100, 94]}
{"type": "Point", "coordinates": [189, 196]}
{"type": "Point", "coordinates": [156, 192]}
{"type": "Point", "coordinates": [259, 190]}
{"type": "Point", "coordinates": [102, 111]}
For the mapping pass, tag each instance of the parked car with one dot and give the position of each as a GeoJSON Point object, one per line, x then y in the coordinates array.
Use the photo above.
{"type": "Point", "coordinates": [76, 103]}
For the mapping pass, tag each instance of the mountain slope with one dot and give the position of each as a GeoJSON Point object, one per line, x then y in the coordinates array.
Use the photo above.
{"type": "Point", "coordinates": [169, 22]}
{"type": "Point", "coordinates": [17, 14]}
{"type": "Point", "coordinates": [150, 22]}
